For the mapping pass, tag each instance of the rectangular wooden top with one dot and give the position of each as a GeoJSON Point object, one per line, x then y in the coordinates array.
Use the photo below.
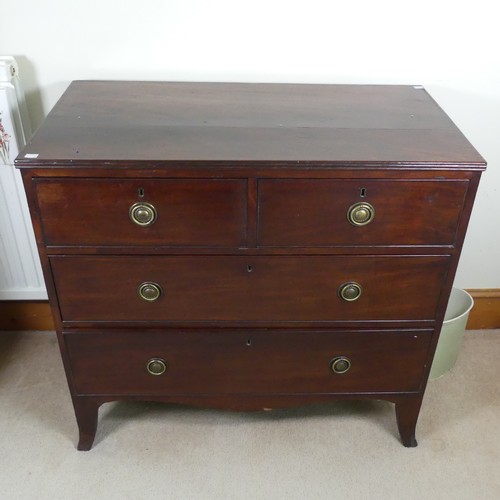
{"type": "Point", "coordinates": [119, 123]}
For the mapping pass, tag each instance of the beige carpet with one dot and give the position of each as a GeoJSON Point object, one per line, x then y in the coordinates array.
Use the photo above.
{"type": "Point", "coordinates": [342, 450]}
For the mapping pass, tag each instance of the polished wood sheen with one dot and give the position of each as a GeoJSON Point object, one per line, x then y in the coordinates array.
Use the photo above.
{"type": "Point", "coordinates": [190, 212]}
{"type": "Point", "coordinates": [110, 124]}
{"type": "Point", "coordinates": [253, 287]}
{"type": "Point", "coordinates": [234, 289]}
{"type": "Point", "coordinates": [247, 362]}
{"type": "Point", "coordinates": [314, 212]}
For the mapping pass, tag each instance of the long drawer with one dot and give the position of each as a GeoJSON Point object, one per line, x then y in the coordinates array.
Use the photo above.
{"type": "Point", "coordinates": [313, 212]}
{"type": "Point", "coordinates": [260, 289]}
{"type": "Point", "coordinates": [170, 212]}
{"type": "Point", "coordinates": [251, 362]}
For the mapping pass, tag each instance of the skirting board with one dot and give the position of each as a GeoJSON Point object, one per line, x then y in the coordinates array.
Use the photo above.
{"type": "Point", "coordinates": [36, 315]}
{"type": "Point", "coordinates": [486, 311]}
{"type": "Point", "coordinates": [25, 315]}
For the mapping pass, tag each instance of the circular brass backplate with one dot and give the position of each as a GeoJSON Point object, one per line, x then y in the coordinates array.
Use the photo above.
{"type": "Point", "coordinates": [360, 214]}
{"type": "Point", "coordinates": [350, 291]}
{"type": "Point", "coordinates": [149, 291]}
{"type": "Point", "coordinates": [340, 365]}
{"type": "Point", "coordinates": [156, 366]}
{"type": "Point", "coordinates": [142, 213]}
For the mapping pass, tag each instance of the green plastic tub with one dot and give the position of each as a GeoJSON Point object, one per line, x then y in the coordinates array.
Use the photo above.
{"type": "Point", "coordinates": [452, 332]}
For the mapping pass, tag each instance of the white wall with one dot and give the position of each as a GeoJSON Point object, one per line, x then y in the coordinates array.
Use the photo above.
{"type": "Point", "coordinates": [452, 48]}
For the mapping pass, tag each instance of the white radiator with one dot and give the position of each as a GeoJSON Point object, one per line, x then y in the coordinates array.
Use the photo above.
{"type": "Point", "coordinates": [20, 273]}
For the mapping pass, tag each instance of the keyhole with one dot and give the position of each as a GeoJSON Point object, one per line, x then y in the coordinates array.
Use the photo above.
{"type": "Point", "coordinates": [249, 342]}
{"type": "Point", "coordinates": [249, 268]}
{"type": "Point", "coordinates": [140, 192]}
{"type": "Point", "coordinates": [362, 192]}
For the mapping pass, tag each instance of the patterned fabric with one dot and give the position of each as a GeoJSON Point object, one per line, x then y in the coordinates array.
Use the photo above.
{"type": "Point", "coordinates": [4, 143]}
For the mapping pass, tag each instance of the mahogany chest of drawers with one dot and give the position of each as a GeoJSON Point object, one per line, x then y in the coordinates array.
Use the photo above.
{"type": "Point", "coordinates": [248, 246]}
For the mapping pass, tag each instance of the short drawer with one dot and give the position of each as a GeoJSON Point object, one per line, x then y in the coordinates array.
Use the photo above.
{"type": "Point", "coordinates": [235, 362]}
{"type": "Point", "coordinates": [316, 212]}
{"type": "Point", "coordinates": [171, 212]}
{"type": "Point", "coordinates": [237, 289]}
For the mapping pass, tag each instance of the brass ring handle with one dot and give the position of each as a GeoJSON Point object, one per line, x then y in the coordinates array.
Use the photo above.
{"type": "Point", "coordinates": [350, 291]}
{"type": "Point", "coordinates": [156, 366]}
{"type": "Point", "coordinates": [360, 214]}
{"type": "Point", "coordinates": [340, 365]}
{"type": "Point", "coordinates": [149, 291]}
{"type": "Point", "coordinates": [142, 214]}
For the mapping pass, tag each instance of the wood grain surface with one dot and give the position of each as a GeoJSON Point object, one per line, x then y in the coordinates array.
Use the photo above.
{"type": "Point", "coordinates": [116, 123]}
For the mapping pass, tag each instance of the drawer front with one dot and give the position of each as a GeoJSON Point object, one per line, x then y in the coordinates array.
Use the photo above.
{"type": "Point", "coordinates": [247, 289]}
{"type": "Point", "coordinates": [188, 212]}
{"type": "Point", "coordinates": [315, 212]}
{"type": "Point", "coordinates": [246, 362]}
